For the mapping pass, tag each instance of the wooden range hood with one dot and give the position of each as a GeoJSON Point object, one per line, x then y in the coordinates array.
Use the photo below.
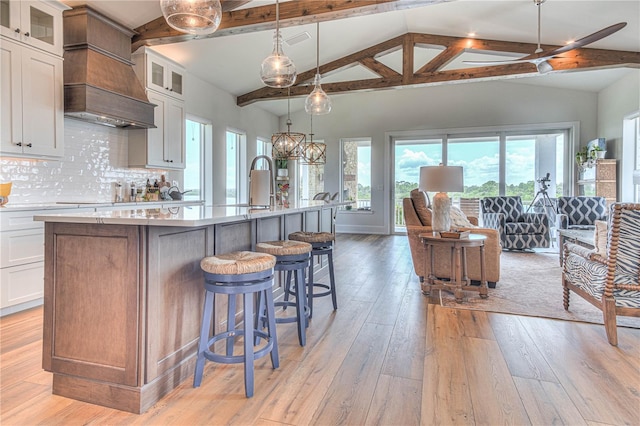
{"type": "Point", "coordinates": [100, 84]}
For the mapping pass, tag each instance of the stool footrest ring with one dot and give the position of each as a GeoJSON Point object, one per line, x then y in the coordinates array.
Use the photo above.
{"type": "Point", "coordinates": [237, 359]}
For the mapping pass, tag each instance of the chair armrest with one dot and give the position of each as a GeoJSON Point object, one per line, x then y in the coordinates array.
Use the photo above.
{"type": "Point", "coordinates": [581, 251]}
{"type": "Point", "coordinates": [562, 221]}
{"type": "Point", "coordinates": [495, 221]}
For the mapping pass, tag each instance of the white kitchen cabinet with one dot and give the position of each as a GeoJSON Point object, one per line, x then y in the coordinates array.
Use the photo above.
{"type": "Point", "coordinates": [35, 23]}
{"type": "Point", "coordinates": [22, 259]}
{"type": "Point", "coordinates": [159, 73]}
{"type": "Point", "coordinates": [164, 146]}
{"type": "Point", "coordinates": [32, 102]}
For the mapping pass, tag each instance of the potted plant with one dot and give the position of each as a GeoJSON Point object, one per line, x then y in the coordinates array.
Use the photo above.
{"type": "Point", "coordinates": [597, 152]}
{"type": "Point", "coordinates": [281, 165]}
{"type": "Point", "coordinates": [581, 157]}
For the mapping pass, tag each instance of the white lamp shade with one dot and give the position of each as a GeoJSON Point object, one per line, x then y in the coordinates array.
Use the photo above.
{"type": "Point", "coordinates": [441, 179]}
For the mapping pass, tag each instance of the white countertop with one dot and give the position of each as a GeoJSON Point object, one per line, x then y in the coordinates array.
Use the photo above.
{"type": "Point", "coordinates": [188, 216]}
{"type": "Point", "coordinates": [10, 207]}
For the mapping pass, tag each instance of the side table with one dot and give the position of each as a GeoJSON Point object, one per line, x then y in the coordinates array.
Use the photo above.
{"type": "Point", "coordinates": [583, 237]}
{"type": "Point", "coordinates": [458, 280]}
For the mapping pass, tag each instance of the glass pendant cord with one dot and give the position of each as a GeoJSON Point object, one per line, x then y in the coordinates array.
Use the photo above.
{"type": "Point", "coordinates": [197, 17]}
{"type": "Point", "coordinates": [318, 102]}
{"type": "Point", "coordinates": [288, 145]}
{"type": "Point", "coordinates": [314, 153]}
{"type": "Point", "coordinates": [278, 70]}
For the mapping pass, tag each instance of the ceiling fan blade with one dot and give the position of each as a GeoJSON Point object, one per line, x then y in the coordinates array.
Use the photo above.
{"type": "Point", "coordinates": [591, 38]}
{"type": "Point", "coordinates": [538, 58]}
{"type": "Point", "coordinates": [229, 5]}
{"type": "Point", "coordinates": [489, 63]}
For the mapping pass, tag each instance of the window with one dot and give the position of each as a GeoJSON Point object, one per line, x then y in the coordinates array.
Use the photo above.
{"type": "Point", "coordinates": [356, 173]}
{"type": "Point", "coordinates": [263, 147]}
{"type": "Point", "coordinates": [501, 162]}
{"type": "Point", "coordinates": [310, 179]}
{"type": "Point", "coordinates": [194, 166]}
{"type": "Point", "coordinates": [234, 168]}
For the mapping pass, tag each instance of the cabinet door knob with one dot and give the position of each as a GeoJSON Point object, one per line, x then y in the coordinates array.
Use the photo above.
{"type": "Point", "coordinates": [27, 34]}
{"type": "Point", "coordinates": [29, 145]}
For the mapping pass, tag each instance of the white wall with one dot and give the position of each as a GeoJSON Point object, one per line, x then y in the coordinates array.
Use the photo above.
{"type": "Point", "coordinates": [218, 106]}
{"type": "Point", "coordinates": [95, 156]}
{"type": "Point", "coordinates": [614, 104]}
{"type": "Point", "coordinates": [372, 114]}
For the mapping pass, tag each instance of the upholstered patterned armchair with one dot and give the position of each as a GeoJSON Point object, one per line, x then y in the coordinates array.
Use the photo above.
{"type": "Point", "coordinates": [518, 230]}
{"type": "Point", "coordinates": [610, 282]}
{"type": "Point", "coordinates": [580, 212]}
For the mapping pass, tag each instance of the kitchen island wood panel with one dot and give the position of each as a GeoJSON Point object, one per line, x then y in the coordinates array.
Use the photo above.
{"type": "Point", "coordinates": [123, 302]}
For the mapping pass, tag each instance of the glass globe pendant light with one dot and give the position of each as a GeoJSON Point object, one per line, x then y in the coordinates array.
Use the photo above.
{"type": "Point", "coordinates": [197, 17]}
{"type": "Point", "coordinates": [318, 102]}
{"type": "Point", "coordinates": [277, 69]}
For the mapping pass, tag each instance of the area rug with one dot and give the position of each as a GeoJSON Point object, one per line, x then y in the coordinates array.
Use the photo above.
{"type": "Point", "coordinates": [530, 284]}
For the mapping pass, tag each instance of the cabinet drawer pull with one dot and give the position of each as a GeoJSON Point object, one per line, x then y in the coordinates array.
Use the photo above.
{"type": "Point", "coordinates": [29, 145]}
{"type": "Point", "coordinates": [27, 34]}
{"type": "Point", "coordinates": [18, 30]}
{"type": "Point", "coordinates": [19, 144]}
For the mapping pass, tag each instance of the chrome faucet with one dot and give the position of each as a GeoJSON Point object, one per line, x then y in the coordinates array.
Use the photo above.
{"type": "Point", "coordinates": [272, 194]}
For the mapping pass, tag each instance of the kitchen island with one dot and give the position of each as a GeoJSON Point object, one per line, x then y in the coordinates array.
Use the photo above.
{"type": "Point", "coordinates": [124, 292]}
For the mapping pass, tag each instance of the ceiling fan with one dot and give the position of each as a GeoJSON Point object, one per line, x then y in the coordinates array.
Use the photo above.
{"type": "Point", "coordinates": [540, 58]}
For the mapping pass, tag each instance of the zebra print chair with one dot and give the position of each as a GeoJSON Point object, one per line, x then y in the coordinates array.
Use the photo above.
{"type": "Point", "coordinates": [610, 282]}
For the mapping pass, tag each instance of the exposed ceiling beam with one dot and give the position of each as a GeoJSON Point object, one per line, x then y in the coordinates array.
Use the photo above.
{"type": "Point", "coordinates": [262, 18]}
{"type": "Point", "coordinates": [431, 73]}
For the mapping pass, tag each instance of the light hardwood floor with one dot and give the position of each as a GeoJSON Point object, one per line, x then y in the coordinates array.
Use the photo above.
{"type": "Point", "coordinates": [385, 357]}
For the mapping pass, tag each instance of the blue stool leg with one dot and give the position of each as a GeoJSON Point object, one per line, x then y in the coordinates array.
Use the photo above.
{"type": "Point", "coordinates": [287, 288]}
{"type": "Point", "coordinates": [310, 288]}
{"type": "Point", "coordinates": [271, 314]}
{"type": "Point", "coordinates": [332, 281]}
{"type": "Point", "coordinates": [248, 344]}
{"type": "Point", "coordinates": [300, 304]}
{"type": "Point", "coordinates": [260, 321]}
{"type": "Point", "coordinates": [203, 344]}
{"type": "Point", "coordinates": [231, 322]}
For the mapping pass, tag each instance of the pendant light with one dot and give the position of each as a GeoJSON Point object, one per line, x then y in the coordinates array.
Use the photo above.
{"type": "Point", "coordinates": [277, 69]}
{"type": "Point", "coordinates": [314, 153]}
{"type": "Point", "coordinates": [318, 102]}
{"type": "Point", "coordinates": [198, 17]}
{"type": "Point", "coordinates": [287, 145]}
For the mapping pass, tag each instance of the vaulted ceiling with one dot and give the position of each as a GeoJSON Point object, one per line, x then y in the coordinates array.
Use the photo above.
{"type": "Point", "coordinates": [369, 45]}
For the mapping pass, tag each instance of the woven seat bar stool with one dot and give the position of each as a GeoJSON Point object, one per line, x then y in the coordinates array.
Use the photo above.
{"type": "Point", "coordinates": [322, 245]}
{"type": "Point", "coordinates": [292, 257]}
{"type": "Point", "coordinates": [247, 273]}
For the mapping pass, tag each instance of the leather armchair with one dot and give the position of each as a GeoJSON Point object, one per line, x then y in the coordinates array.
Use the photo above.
{"type": "Point", "coordinates": [443, 256]}
{"type": "Point", "coordinates": [518, 230]}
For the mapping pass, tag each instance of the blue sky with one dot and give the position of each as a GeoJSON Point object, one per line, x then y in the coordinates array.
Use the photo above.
{"type": "Point", "coordinates": [479, 159]}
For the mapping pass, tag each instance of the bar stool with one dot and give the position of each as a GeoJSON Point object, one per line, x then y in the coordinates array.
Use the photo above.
{"type": "Point", "coordinates": [245, 273]}
{"type": "Point", "coordinates": [322, 244]}
{"type": "Point", "coordinates": [292, 257]}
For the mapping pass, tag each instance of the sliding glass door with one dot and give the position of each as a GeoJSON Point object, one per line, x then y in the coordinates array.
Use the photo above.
{"type": "Point", "coordinates": [530, 164]}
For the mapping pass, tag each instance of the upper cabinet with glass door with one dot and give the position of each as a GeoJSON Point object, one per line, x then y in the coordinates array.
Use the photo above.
{"type": "Point", "coordinates": [35, 23]}
{"type": "Point", "coordinates": [160, 73]}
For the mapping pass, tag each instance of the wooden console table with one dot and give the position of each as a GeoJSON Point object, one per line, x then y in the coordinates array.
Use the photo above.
{"type": "Point", "coordinates": [458, 280]}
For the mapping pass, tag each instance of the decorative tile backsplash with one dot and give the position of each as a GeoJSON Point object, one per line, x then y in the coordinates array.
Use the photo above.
{"type": "Point", "coordinates": [95, 158]}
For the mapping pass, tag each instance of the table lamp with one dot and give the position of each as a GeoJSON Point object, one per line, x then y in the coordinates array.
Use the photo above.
{"type": "Point", "coordinates": [441, 179]}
